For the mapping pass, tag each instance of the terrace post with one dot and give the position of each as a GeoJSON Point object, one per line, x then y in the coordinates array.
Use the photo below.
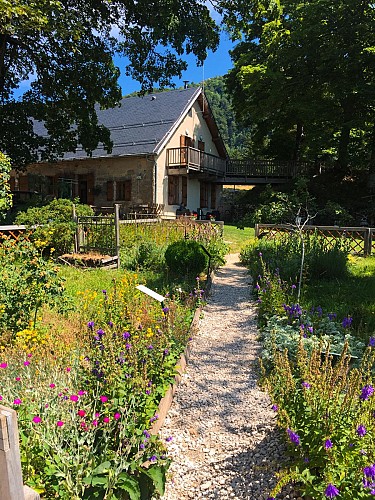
{"type": "Point", "coordinates": [117, 233]}
{"type": "Point", "coordinates": [367, 242]}
{"type": "Point", "coordinates": [11, 485]}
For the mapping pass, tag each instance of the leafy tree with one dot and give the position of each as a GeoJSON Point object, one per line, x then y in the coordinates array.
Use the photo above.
{"type": "Point", "coordinates": [65, 48]}
{"type": "Point", "coordinates": [303, 76]}
{"type": "Point", "coordinates": [5, 196]}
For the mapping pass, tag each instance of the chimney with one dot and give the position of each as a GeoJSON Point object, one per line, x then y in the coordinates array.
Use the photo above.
{"type": "Point", "coordinates": [185, 84]}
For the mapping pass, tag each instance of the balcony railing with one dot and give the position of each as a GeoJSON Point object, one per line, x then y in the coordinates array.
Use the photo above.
{"type": "Point", "coordinates": [195, 160]}
{"type": "Point", "coordinates": [264, 168]}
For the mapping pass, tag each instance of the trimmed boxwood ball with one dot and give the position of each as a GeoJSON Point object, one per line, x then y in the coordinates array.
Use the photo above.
{"type": "Point", "coordinates": [186, 257]}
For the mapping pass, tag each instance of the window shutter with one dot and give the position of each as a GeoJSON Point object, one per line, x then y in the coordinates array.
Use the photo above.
{"type": "Point", "coordinates": [128, 190]}
{"type": "Point", "coordinates": [110, 191]}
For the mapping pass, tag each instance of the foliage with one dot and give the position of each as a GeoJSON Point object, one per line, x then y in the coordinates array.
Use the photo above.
{"type": "Point", "coordinates": [327, 411]}
{"type": "Point", "coordinates": [55, 225]}
{"type": "Point", "coordinates": [322, 260]}
{"type": "Point", "coordinates": [186, 257]}
{"type": "Point", "coordinates": [314, 329]}
{"type": "Point", "coordinates": [5, 196]}
{"type": "Point", "coordinates": [66, 49]}
{"type": "Point", "coordinates": [301, 76]}
{"type": "Point", "coordinates": [28, 283]}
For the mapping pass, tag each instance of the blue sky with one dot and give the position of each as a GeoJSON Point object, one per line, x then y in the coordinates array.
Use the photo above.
{"type": "Point", "coordinates": [217, 63]}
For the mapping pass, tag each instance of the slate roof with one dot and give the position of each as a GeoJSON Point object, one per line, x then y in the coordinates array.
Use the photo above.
{"type": "Point", "coordinates": [140, 125]}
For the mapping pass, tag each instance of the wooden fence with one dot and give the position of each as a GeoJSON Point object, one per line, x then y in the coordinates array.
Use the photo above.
{"type": "Point", "coordinates": [359, 240]}
{"type": "Point", "coordinates": [11, 484]}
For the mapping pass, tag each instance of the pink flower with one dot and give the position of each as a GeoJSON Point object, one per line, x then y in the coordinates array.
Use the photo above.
{"type": "Point", "coordinates": [26, 363]}
{"type": "Point", "coordinates": [46, 405]}
{"type": "Point", "coordinates": [95, 423]}
{"type": "Point", "coordinates": [18, 379]}
{"type": "Point", "coordinates": [116, 416]}
{"type": "Point", "coordinates": [59, 423]}
{"type": "Point", "coordinates": [74, 397]}
{"type": "Point", "coordinates": [3, 365]}
{"type": "Point", "coordinates": [52, 386]}
{"type": "Point", "coordinates": [81, 413]}
{"type": "Point", "coordinates": [103, 399]}
{"type": "Point", "coordinates": [29, 355]}
{"type": "Point", "coordinates": [17, 401]}
{"type": "Point", "coordinates": [37, 419]}
{"type": "Point", "coordinates": [97, 415]}
{"type": "Point", "coordinates": [81, 393]}
{"type": "Point", "coordinates": [106, 420]}
{"type": "Point", "coordinates": [68, 369]}
{"type": "Point", "coordinates": [1, 398]}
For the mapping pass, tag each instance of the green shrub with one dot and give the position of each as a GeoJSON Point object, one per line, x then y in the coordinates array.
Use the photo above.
{"type": "Point", "coordinates": [28, 283]}
{"type": "Point", "coordinates": [186, 257]}
{"type": "Point", "coordinates": [145, 255]}
{"type": "Point", "coordinates": [55, 231]}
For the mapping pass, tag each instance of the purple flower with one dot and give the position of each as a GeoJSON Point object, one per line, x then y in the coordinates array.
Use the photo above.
{"type": "Point", "coordinates": [332, 316]}
{"type": "Point", "coordinates": [141, 446]}
{"type": "Point", "coordinates": [294, 287]}
{"type": "Point", "coordinates": [165, 310]}
{"type": "Point", "coordinates": [91, 325]}
{"type": "Point", "coordinates": [146, 433]}
{"type": "Point", "coordinates": [126, 335]}
{"type": "Point", "coordinates": [347, 321]}
{"type": "Point", "coordinates": [150, 347]}
{"type": "Point", "coordinates": [169, 439]}
{"type": "Point", "coordinates": [328, 444]}
{"type": "Point", "coordinates": [367, 391]}
{"type": "Point", "coordinates": [370, 472]}
{"type": "Point", "coordinates": [331, 491]}
{"type": "Point", "coordinates": [274, 407]}
{"type": "Point", "coordinates": [306, 385]}
{"type": "Point", "coordinates": [128, 346]}
{"type": "Point", "coordinates": [361, 430]}
{"type": "Point", "coordinates": [294, 437]}
{"type": "Point", "coordinates": [110, 324]}
{"type": "Point", "coordinates": [154, 458]}
{"type": "Point", "coordinates": [165, 352]}
{"type": "Point", "coordinates": [104, 292]}
{"type": "Point", "coordinates": [371, 342]}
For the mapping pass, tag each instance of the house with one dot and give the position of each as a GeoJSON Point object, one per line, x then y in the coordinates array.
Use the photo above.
{"type": "Point", "coordinates": [167, 151]}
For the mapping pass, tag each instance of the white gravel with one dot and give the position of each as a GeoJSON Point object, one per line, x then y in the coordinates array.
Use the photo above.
{"type": "Point", "coordinates": [225, 442]}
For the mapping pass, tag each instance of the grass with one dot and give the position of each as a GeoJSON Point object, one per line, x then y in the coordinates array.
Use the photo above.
{"type": "Point", "coordinates": [351, 295]}
{"type": "Point", "coordinates": [237, 238]}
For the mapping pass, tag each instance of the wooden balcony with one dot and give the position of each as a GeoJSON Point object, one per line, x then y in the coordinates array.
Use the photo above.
{"type": "Point", "coordinates": [262, 171]}
{"type": "Point", "coordinates": [184, 160]}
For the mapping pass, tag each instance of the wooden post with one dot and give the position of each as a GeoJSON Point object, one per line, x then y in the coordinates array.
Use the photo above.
{"type": "Point", "coordinates": [76, 246]}
{"type": "Point", "coordinates": [11, 486]}
{"type": "Point", "coordinates": [256, 230]}
{"type": "Point", "coordinates": [117, 233]}
{"type": "Point", "coordinates": [367, 242]}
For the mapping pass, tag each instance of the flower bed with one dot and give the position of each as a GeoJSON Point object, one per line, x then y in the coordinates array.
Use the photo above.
{"type": "Point", "coordinates": [85, 407]}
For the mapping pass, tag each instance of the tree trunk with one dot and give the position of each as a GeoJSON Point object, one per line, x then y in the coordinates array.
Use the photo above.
{"type": "Point", "coordinates": [343, 153]}
{"type": "Point", "coordinates": [298, 142]}
{"type": "Point", "coordinates": [371, 172]}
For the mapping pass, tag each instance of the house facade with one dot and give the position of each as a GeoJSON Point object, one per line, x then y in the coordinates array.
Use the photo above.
{"type": "Point", "coordinates": [167, 151]}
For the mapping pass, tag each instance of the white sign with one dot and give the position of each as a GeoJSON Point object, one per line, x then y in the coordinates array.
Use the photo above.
{"type": "Point", "coordinates": [151, 293]}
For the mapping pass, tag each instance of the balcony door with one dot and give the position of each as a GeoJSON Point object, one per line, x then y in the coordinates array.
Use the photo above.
{"type": "Point", "coordinates": [185, 142]}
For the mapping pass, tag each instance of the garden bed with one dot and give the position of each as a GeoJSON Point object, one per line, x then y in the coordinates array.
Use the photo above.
{"type": "Point", "coordinates": [89, 260]}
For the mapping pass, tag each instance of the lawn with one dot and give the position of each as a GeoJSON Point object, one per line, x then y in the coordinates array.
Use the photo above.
{"type": "Point", "coordinates": [237, 238]}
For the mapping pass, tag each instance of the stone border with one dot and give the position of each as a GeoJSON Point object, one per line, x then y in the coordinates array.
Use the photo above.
{"type": "Point", "coordinates": [166, 400]}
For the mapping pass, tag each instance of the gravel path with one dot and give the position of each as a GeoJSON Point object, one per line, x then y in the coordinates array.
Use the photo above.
{"type": "Point", "coordinates": [225, 442]}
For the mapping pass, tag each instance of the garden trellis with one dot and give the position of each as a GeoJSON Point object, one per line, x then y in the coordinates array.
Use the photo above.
{"type": "Point", "coordinates": [359, 240]}
{"type": "Point", "coordinates": [99, 234]}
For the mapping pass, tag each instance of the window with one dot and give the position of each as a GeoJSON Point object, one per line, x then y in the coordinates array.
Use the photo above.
{"type": "Point", "coordinates": [173, 185]}
{"type": "Point", "coordinates": [124, 190]}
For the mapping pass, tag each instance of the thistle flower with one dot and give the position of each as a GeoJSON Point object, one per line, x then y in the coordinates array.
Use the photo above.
{"type": "Point", "coordinates": [361, 430]}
